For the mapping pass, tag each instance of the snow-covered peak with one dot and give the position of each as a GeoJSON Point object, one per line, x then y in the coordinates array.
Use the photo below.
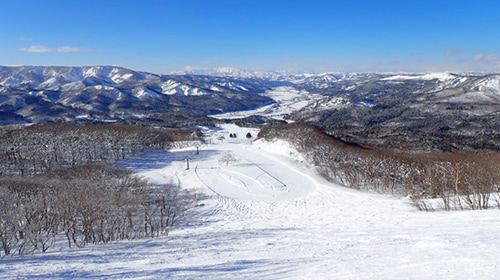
{"type": "Point", "coordinates": [97, 71]}
{"type": "Point", "coordinates": [444, 76]}
{"type": "Point", "coordinates": [328, 77]}
{"type": "Point", "coordinates": [227, 70]}
{"type": "Point", "coordinates": [439, 76]}
{"type": "Point", "coordinates": [490, 84]}
{"type": "Point", "coordinates": [221, 71]}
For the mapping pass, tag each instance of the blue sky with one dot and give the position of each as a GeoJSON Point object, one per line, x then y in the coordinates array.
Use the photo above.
{"type": "Point", "coordinates": [162, 36]}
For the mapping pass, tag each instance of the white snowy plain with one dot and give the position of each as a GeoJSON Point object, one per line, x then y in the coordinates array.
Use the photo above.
{"type": "Point", "coordinates": [287, 100]}
{"type": "Point", "coordinates": [271, 216]}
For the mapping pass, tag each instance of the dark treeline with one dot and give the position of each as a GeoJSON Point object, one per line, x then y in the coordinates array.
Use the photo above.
{"type": "Point", "coordinates": [460, 180]}
{"type": "Point", "coordinates": [57, 180]}
{"type": "Point", "coordinates": [38, 148]}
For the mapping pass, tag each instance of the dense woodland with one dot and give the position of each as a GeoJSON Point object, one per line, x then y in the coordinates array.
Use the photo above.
{"type": "Point", "coordinates": [28, 150]}
{"type": "Point", "coordinates": [59, 179]}
{"type": "Point", "coordinates": [461, 180]}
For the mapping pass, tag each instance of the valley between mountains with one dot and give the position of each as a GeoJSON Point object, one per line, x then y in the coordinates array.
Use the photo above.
{"type": "Point", "coordinates": [388, 111]}
{"type": "Point", "coordinates": [263, 209]}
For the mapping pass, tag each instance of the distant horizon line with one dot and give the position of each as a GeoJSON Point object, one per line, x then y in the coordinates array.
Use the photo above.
{"type": "Point", "coordinates": [231, 70]}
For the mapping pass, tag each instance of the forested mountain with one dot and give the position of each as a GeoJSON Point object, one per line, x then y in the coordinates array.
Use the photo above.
{"type": "Point", "coordinates": [435, 111]}
{"type": "Point", "coordinates": [34, 94]}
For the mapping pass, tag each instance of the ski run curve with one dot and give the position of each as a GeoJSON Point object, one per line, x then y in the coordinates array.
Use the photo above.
{"type": "Point", "coordinates": [268, 215]}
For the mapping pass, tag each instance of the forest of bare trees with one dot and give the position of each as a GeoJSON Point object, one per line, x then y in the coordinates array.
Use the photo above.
{"type": "Point", "coordinates": [42, 147]}
{"type": "Point", "coordinates": [58, 180]}
{"type": "Point", "coordinates": [461, 180]}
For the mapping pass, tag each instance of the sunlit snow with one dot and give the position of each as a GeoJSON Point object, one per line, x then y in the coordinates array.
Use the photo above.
{"type": "Point", "coordinates": [287, 99]}
{"type": "Point", "coordinates": [269, 215]}
{"type": "Point", "coordinates": [430, 76]}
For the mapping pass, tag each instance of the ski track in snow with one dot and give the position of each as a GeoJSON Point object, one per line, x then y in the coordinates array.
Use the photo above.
{"type": "Point", "coordinates": [269, 216]}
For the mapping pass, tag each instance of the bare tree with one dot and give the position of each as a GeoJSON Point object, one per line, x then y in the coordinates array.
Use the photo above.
{"type": "Point", "coordinates": [228, 158]}
{"type": "Point", "coordinates": [89, 204]}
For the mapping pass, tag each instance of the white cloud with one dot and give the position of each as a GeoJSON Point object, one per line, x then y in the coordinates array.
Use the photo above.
{"type": "Point", "coordinates": [36, 49]}
{"type": "Point", "coordinates": [68, 49]}
{"type": "Point", "coordinates": [44, 49]}
{"type": "Point", "coordinates": [487, 59]}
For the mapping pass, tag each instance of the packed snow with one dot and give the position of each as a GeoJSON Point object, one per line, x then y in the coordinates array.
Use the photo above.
{"type": "Point", "coordinates": [267, 214]}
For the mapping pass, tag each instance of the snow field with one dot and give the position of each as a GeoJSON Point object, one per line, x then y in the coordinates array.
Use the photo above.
{"type": "Point", "coordinates": [270, 216]}
{"type": "Point", "coordinates": [287, 100]}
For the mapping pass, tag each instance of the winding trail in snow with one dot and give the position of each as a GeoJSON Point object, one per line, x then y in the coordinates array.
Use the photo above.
{"type": "Point", "coordinates": [270, 216]}
{"type": "Point", "coordinates": [317, 230]}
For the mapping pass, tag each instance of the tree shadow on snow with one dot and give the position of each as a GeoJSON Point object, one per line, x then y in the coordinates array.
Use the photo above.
{"type": "Point", "coordinates": [158, 159]}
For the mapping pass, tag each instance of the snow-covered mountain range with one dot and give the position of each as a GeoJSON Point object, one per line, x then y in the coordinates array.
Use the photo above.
{"type": "Point", "coordinates": [32, 94]}
{"type": "Point", "coordinates": [392, 108]}
{"type": "Point", "coordinates": [441, 111]}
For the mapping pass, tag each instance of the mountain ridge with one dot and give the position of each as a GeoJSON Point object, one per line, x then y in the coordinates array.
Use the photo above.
{"type": "Point", "coordinates": [443, 111]}
{"type": "Point", "coordinates": [113, 92]}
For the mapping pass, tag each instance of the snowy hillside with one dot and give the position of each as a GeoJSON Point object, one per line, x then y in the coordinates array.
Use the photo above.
{"type": "Point", "coordinates": [421, 112]}
{"type": "Point", "coordinates": [266, 214]}
{"type": "Point", "coordinates": [102, 93]}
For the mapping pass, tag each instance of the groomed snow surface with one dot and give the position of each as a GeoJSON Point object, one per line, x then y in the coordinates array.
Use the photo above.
{"type": "Point", "coordinates": [270, 216]}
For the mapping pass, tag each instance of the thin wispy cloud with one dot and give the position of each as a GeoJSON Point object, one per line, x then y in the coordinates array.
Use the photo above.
{"type": "Point", "coordinates": [36, 49]}
{"type": "Point", "coordinates": [25, 39]}
{"type": "Point", "coordinates": [61, 49]}
{"type": "Point", "coordinates": [490, 59]}
{"type": "Point", "coordinates": [453, 51]}
{"type": "Point", "coordinates": [68, 49]}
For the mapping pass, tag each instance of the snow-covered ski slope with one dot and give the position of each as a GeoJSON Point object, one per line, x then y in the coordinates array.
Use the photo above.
{"type": "Point", "coordinates": [270, 216]}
